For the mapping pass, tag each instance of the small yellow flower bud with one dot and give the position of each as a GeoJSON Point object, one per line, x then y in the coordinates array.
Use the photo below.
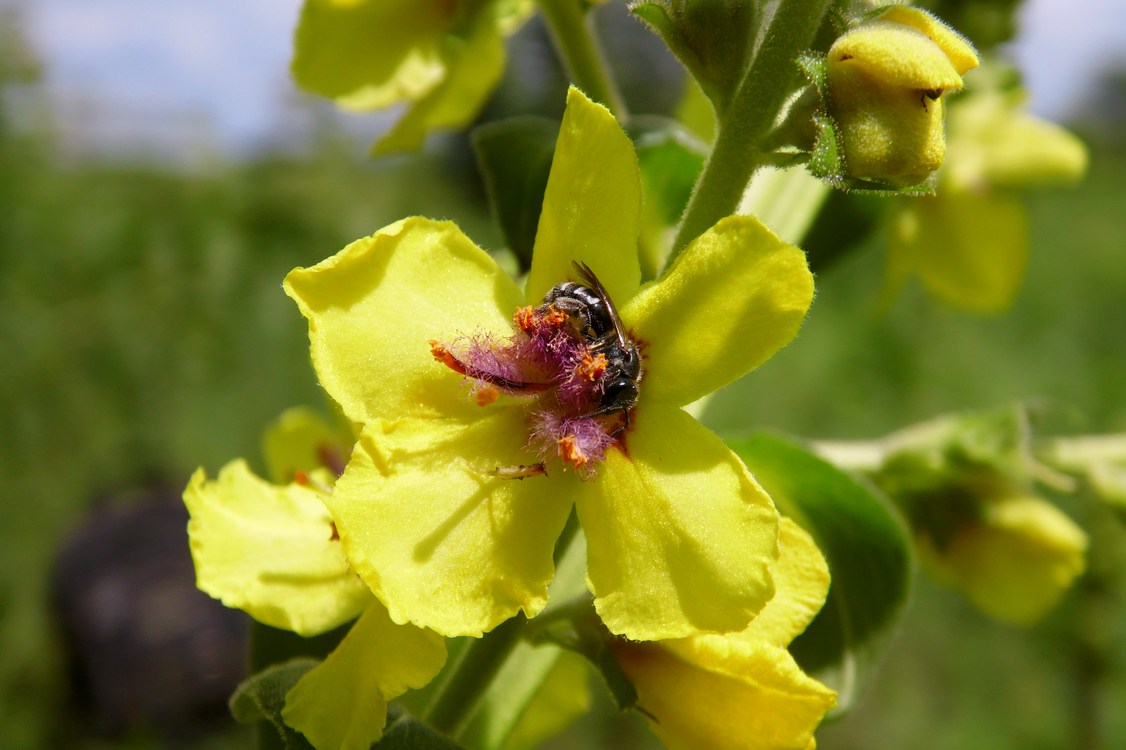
{"type": "Point", "coordinates": [886, 81]}
{"type": "Point", "coordinates": [1016, 562]}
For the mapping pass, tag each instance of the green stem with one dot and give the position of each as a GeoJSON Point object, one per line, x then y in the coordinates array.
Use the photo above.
{"type": "Point", "coordinates": [1077, 453]}
{"type": "Point", "coordinates": [575, 42]}
{"type": "Point", "coordinates": [742, 128]}
{"type": "Point", "coordinates": [852, 455]}
{"type": "Point", "coordinates": [454, 705]}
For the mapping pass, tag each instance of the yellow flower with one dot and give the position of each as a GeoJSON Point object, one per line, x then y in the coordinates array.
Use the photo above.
{"type": "Point", "coordinates": [741, 690]}
{"type": "Point", "coordinates": [442, 58]}
{"type": "Point", "coordinates": [1014, 561]}
{"type": "Point", "coordinates": [268, 550]}
{"type": "Point", "coordinates": [680, 538]}
{"type": "Point", "coordinates": [271, 550]}
{"type": "Point", "coordinates": [887, 77]}
{"type": "Point", "coordinates": [968, 243]}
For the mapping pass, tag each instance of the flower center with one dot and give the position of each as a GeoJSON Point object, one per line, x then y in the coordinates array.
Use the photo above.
{"type": "Point", "coordinates": [574, 360]}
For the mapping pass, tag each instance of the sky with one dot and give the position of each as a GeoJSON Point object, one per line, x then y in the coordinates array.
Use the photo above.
{"type": "Point", "coordinates": [136, 73]}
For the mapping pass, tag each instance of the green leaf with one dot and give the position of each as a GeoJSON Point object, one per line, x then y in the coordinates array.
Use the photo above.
{"type": "Point", "coordinates": [655, 15]}
{"type": "Point", "coordinates": [670, 158]}
{"type": "Point", "coordinates": [262, 697]}
{"type": "Point", "coordinates": [406, 732]}
{"type": "Point", "coordinates": [711, 38]}
{"type": "Point", "coordinates": [514, 156]}
{"type": "Point", "coordinates": [867, 548]}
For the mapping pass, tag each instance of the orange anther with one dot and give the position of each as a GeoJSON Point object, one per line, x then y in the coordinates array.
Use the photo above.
{"type": "Point", "coordinates": [591, 368]}
{"type": "Point", "coordinates": [555, 317]}
{"type": "Point", "coordinates": [570, 452]}
{"type": "Point", "coordinates": [439, 350]}
{"type": "Point", "coordinates": [525, 318]}
{"type": "Point", "coordinates": [301, 478]}
{"type": "Point", "coordinates": [486, 395]}
{"type": "Point", "coordinates": [443, 355]}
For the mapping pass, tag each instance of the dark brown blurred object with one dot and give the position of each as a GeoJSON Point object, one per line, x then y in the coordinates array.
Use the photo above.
{"type": "Point", "coordinates": [146, 650]}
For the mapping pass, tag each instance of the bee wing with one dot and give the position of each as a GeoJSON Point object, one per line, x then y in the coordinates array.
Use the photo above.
{"type": "Point", "coordinates": [588, 277]}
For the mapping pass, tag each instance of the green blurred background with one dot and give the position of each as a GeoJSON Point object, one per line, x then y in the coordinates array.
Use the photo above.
{"type": "Point", "coordinates": [143, 333]}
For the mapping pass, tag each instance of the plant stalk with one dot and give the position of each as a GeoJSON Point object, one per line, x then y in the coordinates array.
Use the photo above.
{"type": "Point", "coordinates": [582, 56]}
{"type": "Point", "coordinates": [747, 121]}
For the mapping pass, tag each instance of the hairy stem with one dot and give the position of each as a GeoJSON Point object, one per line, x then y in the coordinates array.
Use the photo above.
{"type": "Point", "coordinates": [746, 123]}
{"type": "Point", "coordinates": [579, 49]}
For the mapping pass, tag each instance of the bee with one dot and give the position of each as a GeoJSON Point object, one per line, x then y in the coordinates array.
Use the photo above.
{"type": "Point", "coordinates": [597, 321]}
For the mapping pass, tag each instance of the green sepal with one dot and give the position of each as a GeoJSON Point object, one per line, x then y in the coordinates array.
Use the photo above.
{"type": "Point", "coordinates": [406, 732]}
{"type": "Point", "coordinates": [578, 629]}
{"type": "Point", "coordinates": [261, 697]}
{"type": "Point", "coordinates": [712, 38]}
{"type": "Point", "coordinates": [869, 554]}
{"type": "Point", "coordinates": [825, 161]}
{"type": "Point", "coordinates": [514, 156]}
{"type": "Point", "coordinates": [989, 446]}
{"type": "Point", "coordinates": [815, 67]}
{"type": "Point", "coordinates": [940, 470]}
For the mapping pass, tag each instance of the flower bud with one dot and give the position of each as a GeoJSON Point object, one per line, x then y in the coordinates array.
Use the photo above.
{"type": "Point", "coordinates": [886, 80]}
{"type": "Point", "coordinates": [1015, 561]}
{"type": "Point", "coordinates": [965, 483]}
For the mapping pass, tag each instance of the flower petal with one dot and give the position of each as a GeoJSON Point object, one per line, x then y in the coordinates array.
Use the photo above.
{"type": "Point", "coordinates": [733, 298]}
{"type": "Point", "coordinates": [893, 55]}
{"type": "Point", "coordinates": [801, 583]}
{"type": "Point", "coordinates": [713, 692]}
{"type": "Point", "coordinates": [268, 550]}
{"type": "Point", "coordinates": [370, 54]}
{"type": "Point", "coordinates": [1018, 563]}
{"type": "Point", "coordinates": [475, 65]}
{"type": "Point", "coordinates": [969, 249]}
{"type": "Point", "coordinates": [592, 206]}
{"type": "Point", "coordinates": [373, 307]}
{"type": "Point", "coordinates": [680, 538]}
{"type": "Point", "coordinates": [955, 46]}
{"type": "Point", "coordinates": [443, 542]}
{"type": "Point", "coordinates": [342, 702]}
